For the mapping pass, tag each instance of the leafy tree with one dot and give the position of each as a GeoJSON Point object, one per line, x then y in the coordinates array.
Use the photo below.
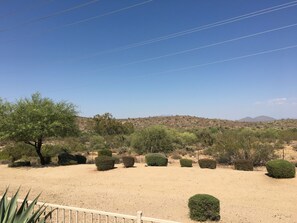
{"type": "Point", "coordinates": [106, 124]}
{"type": "Point", "coordinates": [152, 140]}
{"type": "Point", "coordinates": [34, 119]}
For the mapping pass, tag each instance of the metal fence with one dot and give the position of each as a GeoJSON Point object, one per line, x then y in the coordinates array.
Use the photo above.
{"type": "Point", "coordinates": [66, 214]}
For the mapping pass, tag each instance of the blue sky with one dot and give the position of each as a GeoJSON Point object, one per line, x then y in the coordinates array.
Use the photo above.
{"type": "Point", "coordinates": [137, 58]}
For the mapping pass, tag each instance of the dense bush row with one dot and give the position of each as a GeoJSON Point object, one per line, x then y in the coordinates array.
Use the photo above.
{"type": "Point", "coordinates": [225, 145]}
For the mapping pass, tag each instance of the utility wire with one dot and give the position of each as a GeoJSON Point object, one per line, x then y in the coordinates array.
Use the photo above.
{"type": "Point", "coordinates": [92, 18]}
{"type": "Point", "coordinates": [199, 65]}
{"type": "Point", "coordinates": [223, 61]}
{"type": "Point", "coordinates": [105, 14]}
{"type": "Point", "coordinates": [205, 46]}
{"type": "Point", "coordinates": [51, 15]}
{"type": "Point", "coordinates": [196, 29]}
{"type": "Point", "coordinates": [32, 7]}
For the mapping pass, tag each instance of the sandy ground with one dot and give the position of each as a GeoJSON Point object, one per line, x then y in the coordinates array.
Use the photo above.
{"type": "Point", "coordinates": [160, 192]}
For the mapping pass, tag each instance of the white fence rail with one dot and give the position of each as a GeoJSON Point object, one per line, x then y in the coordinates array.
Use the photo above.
{"type": "Point", "coordinates": [66, 214]}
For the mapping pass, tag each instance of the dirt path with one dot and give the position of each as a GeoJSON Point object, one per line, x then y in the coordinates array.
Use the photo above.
{"type": "Point", "coordinates": [160, 192]}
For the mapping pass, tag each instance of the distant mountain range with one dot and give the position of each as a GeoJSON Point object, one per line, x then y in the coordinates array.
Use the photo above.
{"type": "Point", "coordinates": [258, 119]}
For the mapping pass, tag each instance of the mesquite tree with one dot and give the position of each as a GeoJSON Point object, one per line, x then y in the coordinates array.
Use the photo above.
{"type": "Point", "coordinates": [32, 120]}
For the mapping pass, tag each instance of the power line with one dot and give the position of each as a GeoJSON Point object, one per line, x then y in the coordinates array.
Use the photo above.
{"type": "Point", "coordinates": [202, 65]}
{"type": "Point", "coordinates": [51, 15]}
{"type": "Point", "coordinates": [93, 17]}
{"type": "Point", "coordinates": [196, 29]}
{"type": "Point", "coordinates": [15, 12]}
{"type": "Point", "coordinates": [225, 60]}
{"type": "Point", "coordinates": [106, 14]}
{"type": "Point", "coordinates": [205, 46]}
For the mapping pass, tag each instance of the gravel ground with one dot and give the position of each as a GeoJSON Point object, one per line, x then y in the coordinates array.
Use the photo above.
{"type": "Point", "coordinates": [160, 192]}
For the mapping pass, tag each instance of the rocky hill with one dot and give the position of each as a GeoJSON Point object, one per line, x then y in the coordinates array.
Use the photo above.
{"type": "Point", "coordinates": [188, 122]}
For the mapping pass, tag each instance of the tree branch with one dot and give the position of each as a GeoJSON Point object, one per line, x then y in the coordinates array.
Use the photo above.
{"type": "Point", "coordinates": [30, 143]}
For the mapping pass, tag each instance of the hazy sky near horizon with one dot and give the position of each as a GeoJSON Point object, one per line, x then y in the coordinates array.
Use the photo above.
{"type": "Point", "coordinates": [134, 58]}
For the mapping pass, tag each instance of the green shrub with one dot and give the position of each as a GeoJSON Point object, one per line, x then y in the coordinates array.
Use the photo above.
{"type": "Point", "coordinates": [104, 152]}
{"type": "Point", "coordinates": [128, 161]}
{"type": "Point", "coordinates": [245, 165]}
{"type": "Point", "coordinates": [207, 163]}
{"type": "Point", "coordinates": [280, 169]}
{"type": "Point", "coordinates": [66, 159]}
{"type": "Point", "coordinates": [104, 163]}
{"type": "Point", "coordinates": [4, 155]}
{"type": "Point", "coordinates": [153, 139]}
{"type": "Point", "coordinates": [156, 159]}
{"type": "Point", "coordinates": [20, 163]}
{"type": "Point", "coordinates": [80, 159]}
{"type": "Point", "coordinates": [204, 207]}
{"type": "Point", "coordinates": [186, 162]}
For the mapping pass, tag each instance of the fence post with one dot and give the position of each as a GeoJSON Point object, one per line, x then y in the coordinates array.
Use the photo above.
{"type": "Point", "coordinates": [139, 216]}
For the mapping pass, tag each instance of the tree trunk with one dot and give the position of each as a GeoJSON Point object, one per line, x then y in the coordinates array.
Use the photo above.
{"type": "Point", "coordinates": [38, 151]}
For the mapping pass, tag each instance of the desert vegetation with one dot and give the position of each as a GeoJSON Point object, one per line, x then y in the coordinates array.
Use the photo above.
{"type": "Point", "coordinates": [37, 131]}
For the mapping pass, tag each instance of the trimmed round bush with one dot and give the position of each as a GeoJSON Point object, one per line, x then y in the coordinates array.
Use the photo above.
{"type": "Point", "coordinates": [245, 165]}
{"type": "Point", "coordinates": [186, 163]}
{"type": "Point", "coordinates": [280, 169]}
{"type": "Point", "coordinates": [104, 152]}
{"type": "Point", "coordinates": [128, 161]}
{"type": "Point", "coordinates": [19, 163]}
{"type": "Point", "coordinates": [66, 159]}
{"type": "Point", "coordinates": [207, 163]}
{"type": "Point", "coordinates": [104, 163]}
{"type": "Point", "coordinates": [204, 207]}
{"type": "Point", "coordinates": [156, 159]}
{"type": "Point", "coordinates": [80, 159]}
